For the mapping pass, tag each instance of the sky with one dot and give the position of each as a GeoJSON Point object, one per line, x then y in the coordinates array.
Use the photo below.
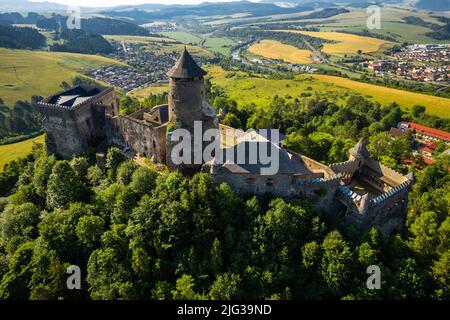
{"type": "Point", "coordinates": [111, 3]}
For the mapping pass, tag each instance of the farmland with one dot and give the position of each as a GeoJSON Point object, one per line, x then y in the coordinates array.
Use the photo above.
{"type": "Point", "coordinates": [182, 36]}
{"type": "Point", "coordinates": [150, 90]}
{"type": "Point", "coordinates": [246, 89]}
{"type": "Point", "coordinates": [276, 50]}
{"type": "Point", "coordinates": [344, 43]}
{"type": "Point", "coordinates": [219, 44]}
{"type": "Point", "coordinates": [17, 150]}
{"type": "Point", "coordinates": [138, 39]}
{"type": "Point", "coordinates": [26, 73]}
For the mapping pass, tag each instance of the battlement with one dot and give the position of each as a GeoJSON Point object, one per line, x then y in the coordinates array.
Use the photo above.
{"type": "Point", "coordinates": [76, 98]}
{"type": "Point", "coordinates": [391, 193]}
{"type": "Point", "coordinates": [315, 181]}
{"type": "Point", "coordinates": [347, 167]}
{"type": "Point", "coordinates": [393, 175]}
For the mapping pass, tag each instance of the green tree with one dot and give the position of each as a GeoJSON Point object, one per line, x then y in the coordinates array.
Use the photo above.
{"type": "Point", "coordinates": [336, 262]}
{"type": "Point", "coordinates": [125, 171]}
{"type": "Point", "coordinates": [89, 230]}
{"type": "Point", "coordinates": [185, 289]}
{"type": "Point", "coordinates": [64, 187]}
{"type": "Point", "coordinates": [226, 287]}
{"type": "Point", "coordinates": [114, 158]}
{"type": "Point", "coordinates": [18, 224]}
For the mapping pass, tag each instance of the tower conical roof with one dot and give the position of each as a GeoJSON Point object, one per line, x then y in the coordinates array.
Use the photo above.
{"type": "Point", "coordinates": [186, 67]}
{"type": "Point", "coordinates": [360, 149]}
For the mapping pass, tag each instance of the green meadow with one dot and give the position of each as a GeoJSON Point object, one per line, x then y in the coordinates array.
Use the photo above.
{"type": "Point", "coordinates": [260, 90]}
{"type": "Point", "coordinates": [27, 73]}
{"type": "Point", "coordinates": [10, 152]}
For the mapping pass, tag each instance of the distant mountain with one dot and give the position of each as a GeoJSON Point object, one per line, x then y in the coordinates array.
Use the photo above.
{"type": "Point", "coordinates": [26, 6]}
{"type": "Point", "coordinates": [40, 7]}
{"type": "Point", "coordinates": [95, 25]}
{"type": "Point", "coordinates": [17, 18]}
{"type": "Point", "coordinates": [253, 9]}
{"type": "Point", "coordinates": [437, 5]}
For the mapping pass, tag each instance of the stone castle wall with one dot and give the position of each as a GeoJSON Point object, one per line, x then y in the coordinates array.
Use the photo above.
{"type": "Point", "coordinates": [320, 190]}
{"type": "Point", "coordinates": [141, 137]}
{"type": "Point", "coordinates": [70, 131]}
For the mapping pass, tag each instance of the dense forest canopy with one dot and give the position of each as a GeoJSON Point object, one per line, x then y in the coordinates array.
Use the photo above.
{"type": "Point", "coordinates": [21, 38]}
{"type": "Point", "coordinates": [139, 234]}
{"type": "Point", "coordinates": [79, 41]}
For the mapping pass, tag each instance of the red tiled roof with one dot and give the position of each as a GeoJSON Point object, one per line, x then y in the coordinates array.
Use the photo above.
{"type": "Point", "coordinates": [428, 160]}
{"type": "Point", "coordinates": [432, 132]}
{"type": "Point", "coordinates": [426, 149]}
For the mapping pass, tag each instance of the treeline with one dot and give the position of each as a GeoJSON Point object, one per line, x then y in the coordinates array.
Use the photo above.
{"type": "Point", "coordinates": [322, 14]}
{"type": "Point", "coordinates": [9, 18]}
{"type": "Point", "coordinates": [440, 32]}
{"type": "Point", "coordinates": [21, 38]}
{"type": "Point", "coordinates": [79, 41]}
{"type": "Point", "coordinates": [95, 25]}
{"type": "Point", "coordinates": [289, 38]}
{"type": "Point", "coordinates": [137, 234]}
{"type": "Point", "coordinates": [20, 120]}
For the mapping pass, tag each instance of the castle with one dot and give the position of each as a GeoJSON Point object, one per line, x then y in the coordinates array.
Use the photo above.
{"type": "Point", "coordinates": [368, 193]}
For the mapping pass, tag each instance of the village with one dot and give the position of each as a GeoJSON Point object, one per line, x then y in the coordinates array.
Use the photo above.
{"type": "Point", "coordinates": [146, 67]}
{"type": "Point", "coordinates": [420, 62]}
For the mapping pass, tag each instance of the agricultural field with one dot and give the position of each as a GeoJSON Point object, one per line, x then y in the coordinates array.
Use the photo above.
{"type": "Point", "coordinates": [145, 92]}
{"type": "Point", "coordinates": [401, 32]}
{"type": "Point", "coordinates": [185, 37]}
{"type": "Point", "coordinates": [221, 45]}
{"type": "Point", "coordinates": [138, 39]}
{"type": "Point", "coordinates": [10, 152]}
{"type": "Point", "coordinates": [246, 89]}
{"type": "Point", "coordinates": [344, 43]}
{"type": "Point", "coordinates": [272, 49]}
{"type": "Point", "coordinates": [27, 73]}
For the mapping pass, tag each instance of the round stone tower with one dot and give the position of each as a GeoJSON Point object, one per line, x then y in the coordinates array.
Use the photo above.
{"type": "Point", "coordinates": [186, 92]}
{"type": "Point", "coordinates": [188, 110]}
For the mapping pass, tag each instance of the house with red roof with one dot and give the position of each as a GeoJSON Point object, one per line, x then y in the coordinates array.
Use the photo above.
{"type": "Point", "coordinates": [425, 132]}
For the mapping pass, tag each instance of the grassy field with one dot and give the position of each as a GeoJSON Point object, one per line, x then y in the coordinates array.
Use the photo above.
{"type": "Point", "coordinates": [17, 150]}
{"type": "Point", "coordinates": [259, 90]}
{"type": "Point", "coordinates": [221, 45]}
{"type": "Point", "coordinates": [276, 50]}
{"type": "Point", "coordinates": [26, 73]}
{"type": "Point", "coordinates": [401, 32]}
{"type": "Point", "coordinates": [182, 36]}
{"type": "Point", "coordinates": [144, 93]}
{"type": "Point", "coordinates": [138, 39]}
{"type": "Point", "coordinates": [345, 43]}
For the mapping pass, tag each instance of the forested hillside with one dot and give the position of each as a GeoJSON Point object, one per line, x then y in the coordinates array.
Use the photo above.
{"type": "Point", "coordinates": [137, 234]}
{"type": "Point", "coordinates": [79, 41]}
{"type": "Point", "coordinates": [20, 38]}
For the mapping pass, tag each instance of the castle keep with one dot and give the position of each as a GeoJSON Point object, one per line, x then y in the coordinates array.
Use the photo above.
{"type": "Point", "coordinates": [368, 193]}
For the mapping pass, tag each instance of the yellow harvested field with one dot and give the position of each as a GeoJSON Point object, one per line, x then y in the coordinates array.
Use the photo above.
{"type": "Point", "coordinates": [276, 50]}
{"type": "Point", "coordinates": [345, 43]}
{"type": "Point", "coordinates": [435, 105]}
{"type": "Point", "coordinates": [10, 152]}
{"type": "Point", "coordinates": [150, 90]}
